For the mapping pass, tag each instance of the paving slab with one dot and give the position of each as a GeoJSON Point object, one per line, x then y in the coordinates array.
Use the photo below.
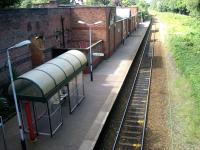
{"type": "Point", "coordinates": [81, 129]}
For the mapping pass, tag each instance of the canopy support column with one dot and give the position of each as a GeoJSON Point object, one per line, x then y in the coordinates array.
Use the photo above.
{"type": "Point", "coordinates": [49, 117]}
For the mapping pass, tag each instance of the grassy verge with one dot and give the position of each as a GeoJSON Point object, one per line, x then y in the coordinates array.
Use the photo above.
{"type": "Point", "coordinates": [183, 42]}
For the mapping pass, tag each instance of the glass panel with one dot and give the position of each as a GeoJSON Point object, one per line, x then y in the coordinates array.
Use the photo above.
{"type": "Point", "coordinates": [42, 116]}
{"type": "Point", "coordinates": [80, 86]}
{"type": "Point", "coordinates": [63, 93]}
{"type": "Point", "coordinates": [55, 112]}
{"type": "Point", "coordinates": [73, 92]}
{"type": "Point", "coordinates": [76, 91]}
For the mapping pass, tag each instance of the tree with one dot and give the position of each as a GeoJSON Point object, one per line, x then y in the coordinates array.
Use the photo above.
{"type": "Point", "coordinates": [143, 6]}
{"type": "Point", "coordinates": [194, 7]}
{"type": "Point", "coordinates": [29, 3]}
{"type": "Point", "coordinates": [154, 4]}
{"type": "Point", "coordinates": [39, 1]}
{"type": "Point", "coordinates": [63, 1]}
{"type": "Point", "coordinates": [26, 4]}
{"type": "Point", "coordinates": [127, 3]}
{"type": "Point", "coordinates": [8, 3]}
{"type": "Point", "coordinates": [181, 6]}
{"type": "Point", "coordinates": [104, 2]}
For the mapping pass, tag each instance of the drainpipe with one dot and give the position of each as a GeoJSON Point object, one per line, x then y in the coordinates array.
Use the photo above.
{"type": "Point", "coordinates": [63, 31]}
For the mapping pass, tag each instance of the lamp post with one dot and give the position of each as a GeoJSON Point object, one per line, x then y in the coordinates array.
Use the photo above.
{"type": "Point", "coordinates": [90, 39]}
{"type": "Point", "coordinates": [23, 43]}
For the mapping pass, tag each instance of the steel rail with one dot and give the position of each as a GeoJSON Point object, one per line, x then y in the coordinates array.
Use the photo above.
{"type": "Point", "coordinates": [129, 98]}
{"type": "Point", "coordinates": [147, 105]}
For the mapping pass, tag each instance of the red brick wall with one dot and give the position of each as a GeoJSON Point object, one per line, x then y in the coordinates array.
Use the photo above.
{"type": "Point", "coordinates": [112, 39]}
{"type": "Point", "coordinates": [91, 15]}
{"type": "Point", "coordinates": [20, 24]}
{"type": "Point", "coordinates": [132, 26]}
{"type": "Point", "coordinates": [118, 33]}
{"type": "Point", "coordinates": [126, 27]}
{"type": "Point", "coordinates": [134, 12]}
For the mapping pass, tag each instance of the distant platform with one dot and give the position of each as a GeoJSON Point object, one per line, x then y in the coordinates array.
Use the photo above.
{"type": "Point", "coordinates": [81, 129]}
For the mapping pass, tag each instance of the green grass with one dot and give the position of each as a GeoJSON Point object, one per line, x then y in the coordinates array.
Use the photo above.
{"type": "Point", "coordinates": [183, 42]}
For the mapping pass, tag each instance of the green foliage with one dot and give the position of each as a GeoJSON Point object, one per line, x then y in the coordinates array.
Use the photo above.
{"type": "Point", "coordinates": [143, 7]}
{"type": "Point", "coordinates": [26, 4]}
{"type": "Point", "coordinates": [90, 2]}
{"type": "Point", "coordinates": [103, 2]}
{"type": "Point", "coordinates": [183, 41]}
{"type": "Point", "coordinates": [98, 2]}
{"type": "Point", "coordinates": [39, 1]}
{"type": "Point", "coordinates": [179, 6]}
{"type": "Point", "coordinates": [8, 3]}
{"type": "Point", "coordinates": [194, 7]}
{"type": "Point", "coordinates": [127, 3]}
{"type": "Point", "coordinates": [63, 1]}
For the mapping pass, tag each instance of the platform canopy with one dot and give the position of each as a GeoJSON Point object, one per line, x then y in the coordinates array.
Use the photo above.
{"type": "Point", "coordinates": [44, 81]}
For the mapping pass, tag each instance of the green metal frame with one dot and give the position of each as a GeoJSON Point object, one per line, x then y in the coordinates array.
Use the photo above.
{"type": "Point", "coordinates": [45, 96]}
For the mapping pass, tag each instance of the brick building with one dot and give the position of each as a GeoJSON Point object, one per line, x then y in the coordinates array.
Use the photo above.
{"type": "Point", "coordinates": [51, 29]}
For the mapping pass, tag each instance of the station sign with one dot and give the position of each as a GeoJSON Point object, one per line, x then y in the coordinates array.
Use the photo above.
{"type": "Point", "coordinates": [98, 54]}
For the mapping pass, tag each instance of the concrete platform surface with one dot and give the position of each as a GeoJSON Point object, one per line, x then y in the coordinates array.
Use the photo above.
{"type": "Point", "coordinates": [81, 129]}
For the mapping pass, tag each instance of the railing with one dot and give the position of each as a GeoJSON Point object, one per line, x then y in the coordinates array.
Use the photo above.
{"type": "Point", "coordinates": [96, 47]}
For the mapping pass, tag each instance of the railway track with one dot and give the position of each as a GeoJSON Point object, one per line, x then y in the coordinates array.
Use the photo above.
{"type": "Point", "coordinates": [125, 129]}
{"type": "Point", "coordinates": [131, 132]}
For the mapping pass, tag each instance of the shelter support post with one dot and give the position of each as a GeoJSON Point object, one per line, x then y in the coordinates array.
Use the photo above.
{"type": "Point", "coordinates": [32, 135]}
{"type": "Point", "coordinates": [49, 117]}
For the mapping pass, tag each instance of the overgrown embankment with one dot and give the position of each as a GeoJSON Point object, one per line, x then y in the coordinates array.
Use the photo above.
{"type": "Point", "coordinates": [182, 38]}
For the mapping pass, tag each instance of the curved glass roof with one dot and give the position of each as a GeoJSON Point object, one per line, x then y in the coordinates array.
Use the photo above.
{"type": "Point", "coordinates": [44, 81]}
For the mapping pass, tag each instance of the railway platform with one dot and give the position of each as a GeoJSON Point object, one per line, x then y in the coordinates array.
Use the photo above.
{"type": "Point", "coordinates": [81, 129]}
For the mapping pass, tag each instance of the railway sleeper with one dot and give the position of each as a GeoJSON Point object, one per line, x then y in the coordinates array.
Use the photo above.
{"type": "Point", "coordinates": [138, 98]}
{"type": "Point", "coordinates": [138, 90]}
{"type": "Point", "coordinates": [132, 122]}
{"type": "Point", "coordinates": [133, 112]}
{"type": "Point", "coordinates": [142, 78]}
{"type": "Point", "coordinates": [137, 109]}
{"type": "Point", "coordinates": [128, 146]}
{"type": "Point", "coordinates": [138, 104]}
{"type": "Point", "coordinates": [140, 87]}
{"type": "Point", "coordinates": [139, 94]}
{"type": "Point", "coordinates": [145, 83]}
{"type": "Point", "coordinates": [130, 132]}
